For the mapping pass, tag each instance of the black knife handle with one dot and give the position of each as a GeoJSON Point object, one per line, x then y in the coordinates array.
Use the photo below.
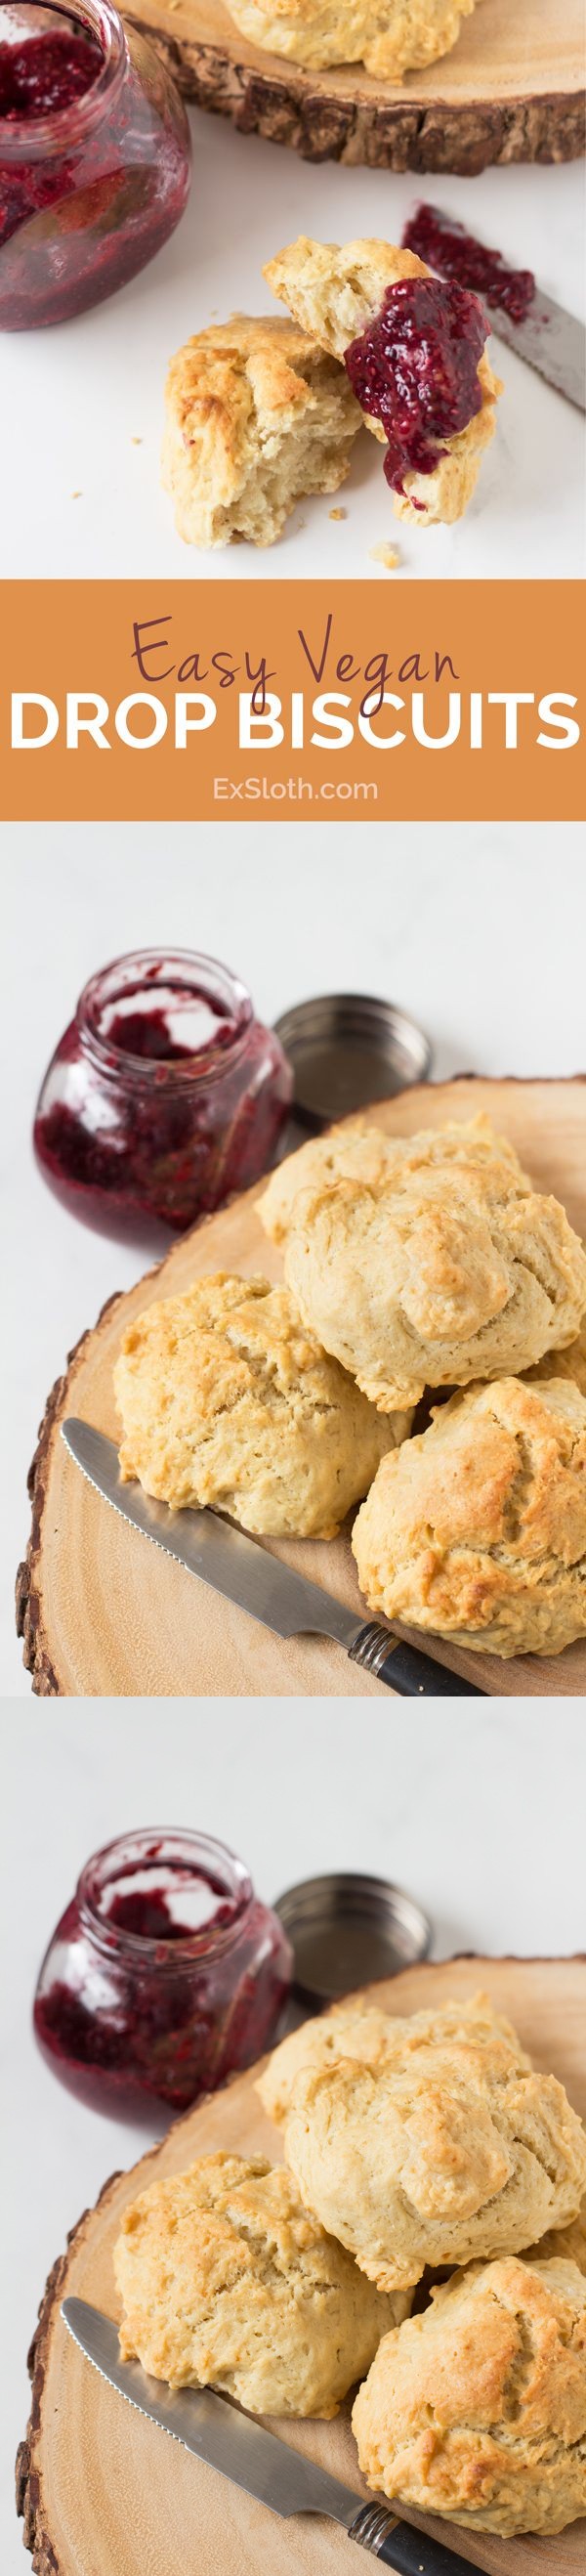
{"type": "Point", "coordinates": [411, 2553]}
{"type": "Point", "coordinates": [410, 1673]}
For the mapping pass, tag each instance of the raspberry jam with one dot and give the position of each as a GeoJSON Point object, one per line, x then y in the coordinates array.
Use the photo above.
{"type": "Point", "coordinates": [46, 74]}
{"type": "Point", "coordinates": [94, 159]}
{"type": "Point", "coordinates": [454, 253]}
{"type": "Point", "coordinates": [165, 1094]}
{"type": "Point", "coordinates": [165, 1975]}
{"type": "Point", "coordinates": [415, 368]}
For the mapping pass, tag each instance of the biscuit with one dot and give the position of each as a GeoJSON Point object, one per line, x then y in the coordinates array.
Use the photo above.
{"type": "Point", "coordinates": [362, 2031]}
{"type": "Point", "coordinates": [356, 1150]}
{"type": "Point", "coordinates": [477, 2408]}
{"type": "Point", "coordinates": [482, 1536]}
{"type": "Point", "coordinates": [226, 2281]}
{"type": "Point", "coordinates": [456, 2149]}
{"type": "Point", "coordinates": [257, 419]}
{"type": "Point", "coordinates": [391, 37]}
{"type": "Point", "coordinates": [226, 1399]}
{"type": "Point", "coordinates": [333, 293]}
{"type": "Point", "coordinates": [435, 1278]}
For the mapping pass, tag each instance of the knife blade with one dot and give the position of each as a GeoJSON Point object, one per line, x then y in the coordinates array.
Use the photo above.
{"type": "Point", "coordinates": [550, 340]}
{"type": "Point", "coordinates": [240, 2449]}
{"type": "Point", "coordinates": [245, 1573]}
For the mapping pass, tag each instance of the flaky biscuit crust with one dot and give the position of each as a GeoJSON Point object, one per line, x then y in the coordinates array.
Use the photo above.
{"type": "Point", "coordinates": [483, 1538]}
{"type": "Point", "coordinates": [434, 1277]}
{"type": "Point", "coordinates": [226, 1399]}
{"type": "Point", "coordinates": [361, 2031]}
{"type": "Point", "coordinates": [477, 2408]}
{"type": "Point", "coordinates": [333, 293]}
{"type": "Point", "coordinates": [356, 1150]}
{"type": "Point", "coordinates": [256, 417]}
{"type": "Point", "coordinates": [391, 37]}
{"type": "Point", "coordinates": [225, 2280]}
{"type": "Point", "coordinates": [455, 2151]}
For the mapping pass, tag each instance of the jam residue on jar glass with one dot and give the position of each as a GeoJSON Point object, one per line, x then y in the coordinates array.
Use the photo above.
{"type": "Point", "coordinates": [164, 1095]}
{"type": "Point", "coordinates": [415, 368]}
{"type": "Point", "coordinates": [165, 1975]}
{"type": "Point", "coordinates": [94, 159]}
{"type": "Point", "coordinates": [453, 252]}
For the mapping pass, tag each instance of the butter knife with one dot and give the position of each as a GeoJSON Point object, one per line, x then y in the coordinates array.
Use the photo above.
{"type": "Point", "coordinates": [240, 2449]}
{"type": "Point", "coordinates": [247, 1574]}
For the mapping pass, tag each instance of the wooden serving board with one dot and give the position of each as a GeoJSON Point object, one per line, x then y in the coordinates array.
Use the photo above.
{"type": "Point", "coordinates": [104, 2493]}
{"type": "Point", "coordinates": [102, 1614]}
{"type": "Point", "coordinates": [511, 90]}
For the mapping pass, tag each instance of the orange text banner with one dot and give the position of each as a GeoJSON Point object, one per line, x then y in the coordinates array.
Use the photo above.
{"type": "Point", "coordinates": [347, 700]}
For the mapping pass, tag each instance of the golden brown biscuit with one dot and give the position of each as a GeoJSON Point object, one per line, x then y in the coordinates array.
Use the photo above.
{"type": "Point", "coordinates": [362, 2031]}
{"type": "Point", "coordinates": [434, 1278]}
{"type": "Point", "coordinates": [332, 294]}
{"type": "Point", "coordinates": [257, 418]}
{"type": "Point", "coordinates": [356, 1150]}
{"type": "Point", "coordinates": [226, 2281]}
{"type": "Point", "coordinates": [483, 1537]}
{"type": "Point", "coordinates": [227, 1400]}
{"type": "Point", "coordinates": [391, 37]}
{"type": "Point", "coordinates": [456, 2150]}
{"type": "Point", "coordinates": [477, 2408]}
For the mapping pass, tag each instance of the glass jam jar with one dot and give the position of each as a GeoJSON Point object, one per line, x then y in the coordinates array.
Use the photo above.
{"type": "Point", "coordinates": [95, 159]}
{"type": "Point", "coordinates": [164, 1976]}
{"type": "Point", "coordinates": [164, 1095]}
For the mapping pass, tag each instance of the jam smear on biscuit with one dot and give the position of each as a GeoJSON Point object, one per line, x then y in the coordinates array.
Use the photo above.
{"type": "Point", "coordinates": [415, 368]}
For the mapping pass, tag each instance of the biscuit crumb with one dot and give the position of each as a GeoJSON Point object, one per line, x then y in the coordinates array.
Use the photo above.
{"type": "Point", "coordinates": [136, 442]}
{"type": "Point", "coordinates": [338, 514]}
{"type": "Point", "coordinates": [77, 496]}
{"type": "Point", "coordinates": [384, 554]}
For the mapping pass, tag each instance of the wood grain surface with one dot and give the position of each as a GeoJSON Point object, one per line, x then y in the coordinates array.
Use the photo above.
{"type": "Point", "coordinates": [101, 1612]}
{"type": "Point", "coordinates": [104, 2493]}
{"type": "Point", "coordinates": [512, 90]}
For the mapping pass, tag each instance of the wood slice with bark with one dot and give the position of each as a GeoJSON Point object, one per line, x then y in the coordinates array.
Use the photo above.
{"type": "Point", "coordinates": [511, 90]}
{"type": "Point", "coordinates": [101, 1613]}
{"type": "Point", "coordinates": [104, 2493]}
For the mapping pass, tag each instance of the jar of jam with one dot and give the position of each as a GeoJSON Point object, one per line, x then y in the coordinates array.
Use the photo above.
{"type": "Point", "coordinates": [164, 1976]}
{"type": "Point", "coordinates": [94, 159]}
{"type": "Point", "coordinates": [165, 1094]}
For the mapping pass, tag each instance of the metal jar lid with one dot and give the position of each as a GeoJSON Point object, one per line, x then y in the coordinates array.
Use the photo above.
{"type": "Point", "coordinates": [347, 1050]}
{"type": "Point", "coordinates": [346, 1931]}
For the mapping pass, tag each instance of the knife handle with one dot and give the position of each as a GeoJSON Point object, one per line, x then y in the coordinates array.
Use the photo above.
{"type": "Point", "coordinates": [410, 2552]}
{"type": "Point", "coordinates": [410, 1673]}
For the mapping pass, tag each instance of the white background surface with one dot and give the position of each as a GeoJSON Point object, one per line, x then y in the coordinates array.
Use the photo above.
{"type": "Point", "coordinates": [482, 1822]}
{"type": "Point", "coordinates": [478, 931]}
{"type": "Point", "coordinates": [73, 399]}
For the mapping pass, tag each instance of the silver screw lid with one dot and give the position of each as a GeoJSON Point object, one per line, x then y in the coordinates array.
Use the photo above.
{"type": "Point", "coordinates": [346, 1930]}
{"type": "Point", "coordinates": [347, 1050]}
